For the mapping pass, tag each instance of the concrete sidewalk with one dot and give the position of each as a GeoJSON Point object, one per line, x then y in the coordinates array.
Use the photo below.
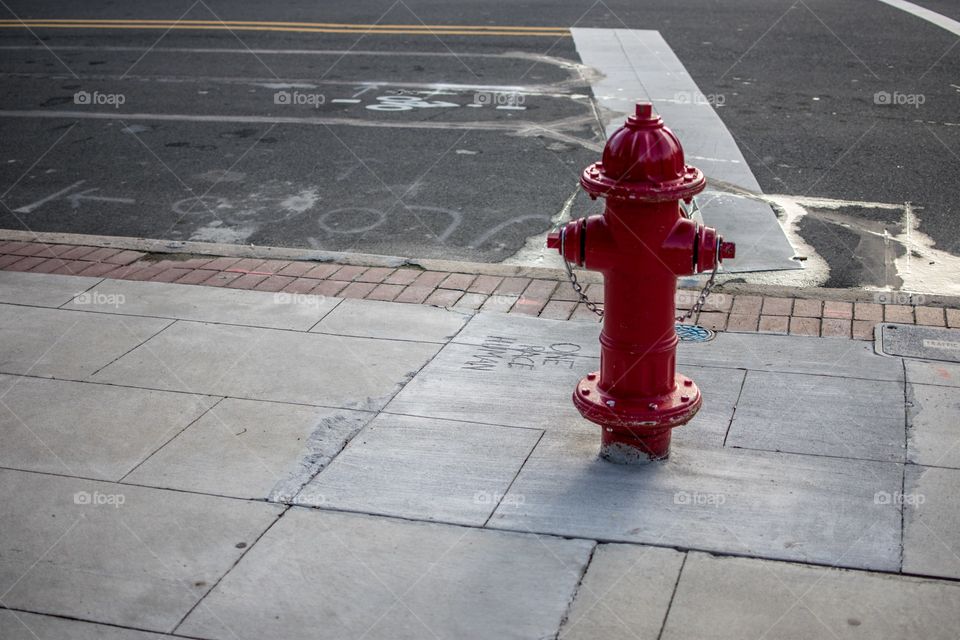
{"type": "Point", "coordinates": [216, 463]}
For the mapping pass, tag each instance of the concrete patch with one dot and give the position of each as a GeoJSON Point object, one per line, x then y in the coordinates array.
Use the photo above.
{"type": "Point", "coordinates": [91, 430]}
{"type": "Point", "coordinates": [423, 469]}
{"type": "Point", "coordinates": [933, 429]}
{"type": "Point", "coordinates": [362, 576]}
{"type": "Point", "coordinates": [249, 449]}
{"type": "Point", "coordinates": [624, 594]}
{"type": "Point", "coordinates": [770, 505]}
{"type": "Point", "coordinates": [99, 551]}
{"type": "Point", "coordinates": [206, 304]}
{"type": "Point", "coordinates": [374, 319]}
{"type": "Point", "coordinates": [41, 289]}
{"type": "Point", "coordinates": [800, 413]}
{"type": "Point", "coordinates": [266, 364]}
{"type": "Point", "coordinates": [736, 598]}
{"type": "Point", "coordinates": [935, 373]}
{"type": "Point", "coordinates": [931, 514]}
{"type": "Point", "coordinates": [66, 344]}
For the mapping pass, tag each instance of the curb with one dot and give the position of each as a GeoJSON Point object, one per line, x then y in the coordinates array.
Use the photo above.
{"type": "Point", "coordinates": [532, 291]}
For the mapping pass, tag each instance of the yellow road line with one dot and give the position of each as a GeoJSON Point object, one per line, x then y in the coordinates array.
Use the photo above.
{"type": "Point", "coordinates": [296, 27]}
{"type": "Point", "coordinates": [295, 24]}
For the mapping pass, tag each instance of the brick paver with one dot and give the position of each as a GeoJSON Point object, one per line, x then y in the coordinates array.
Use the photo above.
{"type": "Point", "coordinates": [868, 311]}
{"type": "Point", "coordinates": [747, 305]}
{"type": "Point", "coordinates": [898, 313]}
{"type": "Point", "coordinates": [542, 297]}
{"type": "Point", "coordinates": [777, 306]}
{"type": "Point", "coordinates": [774, 324]}
{"type": "Point", "coordinates": [837, 309]}
{"type": "Point", "coordinates": [458, 281]}
{"type": "Point", "coordinates": [808, 308]}
{"type": "Point", "coordinates": [385, 292]}
{"type": "Point", "coordinates": [835, 327]}
{"type": "Point", "coordinates": [930, 316]}
{"type": "Point", "coordinates": [803, 326]}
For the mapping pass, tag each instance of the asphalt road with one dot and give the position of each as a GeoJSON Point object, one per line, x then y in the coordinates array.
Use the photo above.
{"type": "Point", "coordinates": [402, 169]}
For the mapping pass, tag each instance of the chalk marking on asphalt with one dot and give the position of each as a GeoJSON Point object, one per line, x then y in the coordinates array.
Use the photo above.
{"type": "Point", "coordinates": [75, 198]}
{"type": "Point", "coordinates": [548, 91]}
{"type": "Point", "coordinates": [932, 17]}
{"type": "Point", "coordinates": [294, 27]}
{"type": "Point", "coordinates": [34, 205]}
{"type": "Point", "coordinates": [518, 127]}
{"type": "Point", "coordinates": [345, 101]}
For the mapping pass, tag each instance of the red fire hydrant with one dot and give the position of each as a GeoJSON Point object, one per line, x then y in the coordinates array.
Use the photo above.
{"type": "Point", "coordinates": [641, 244]}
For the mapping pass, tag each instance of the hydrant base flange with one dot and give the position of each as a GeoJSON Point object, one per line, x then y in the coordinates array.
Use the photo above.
{"type": "Point", "coordinates": [642, 425]}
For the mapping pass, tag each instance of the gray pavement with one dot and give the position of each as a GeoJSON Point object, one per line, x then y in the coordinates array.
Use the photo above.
{"type": "Point", "coordinates": [854, 101]}
{"type": "Point", "coordinates": [199, 462]}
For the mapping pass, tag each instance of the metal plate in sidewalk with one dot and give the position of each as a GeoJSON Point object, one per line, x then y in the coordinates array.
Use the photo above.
{"type": "Point", "coordinates": [911, 341]}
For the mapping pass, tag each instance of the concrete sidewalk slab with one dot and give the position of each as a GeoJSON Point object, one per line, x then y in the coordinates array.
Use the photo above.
{"type": "Point", "coordinates": [90, 430]}
{"type": "Point", "coordinates": [376, 319]}
{"type": "Point", "coordinates": [518, 386]}
{"type": "Point", "coordinates": [41, 289]}
{"type": "Point", "coordinates": [820, 415]}
{"type": "Point", "coordinates": [463, 384]}
{"type": "Point", "coordinates": [772, 505]}
{"type": "Point", "coordinates": [792, 354]}
{"type": "Point", "coordinates": [117, 554]}
{"type": "Point", "coordinates": [322, 574]}
{"type": "Point", "coordinates": [267, 364]}
{"type": "Point", "coordinates": [478, 423]}
{"type": "Point", "coordinates": [205, 304]}
{"type": "Point", "coordinates": [624, 595]}
{"type": "Point", "coordinates": [933, 429]}
{"type": "Point", "coordinates": [737, 598]}
{"type": "Point", "coordinates": [251, 449]}
{"type": "Point", "coordinates": [934, 373]}
{"type": "Point", "coordinates": [19, 625]}
{"type": "Point", "coordinates": [931, 521]}
{"type": "Point", "coordinates": [497, 331]}
{"type": "Point", "coordinates": [67, 344]}
{"type": "Point", "coordinates": [423, 469]}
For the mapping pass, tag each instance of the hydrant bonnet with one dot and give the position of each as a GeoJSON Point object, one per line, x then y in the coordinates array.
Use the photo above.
{"type": "Point", "coordinates": [643, 160]}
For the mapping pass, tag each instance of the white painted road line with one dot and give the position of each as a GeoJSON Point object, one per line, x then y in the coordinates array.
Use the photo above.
{"type": "Point", "coordinates": [639, 65]}
{"type": "Point", "coordinates": [926, 14]}
{"type": "Point", "coordinates": [53, 196]}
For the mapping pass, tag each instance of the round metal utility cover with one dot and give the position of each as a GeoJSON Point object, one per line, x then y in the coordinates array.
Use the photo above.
{"type": "Point", "coordinates": [694, 333]}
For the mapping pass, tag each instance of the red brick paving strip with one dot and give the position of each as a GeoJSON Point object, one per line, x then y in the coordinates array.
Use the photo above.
{"type": "Point", "coordinates": [543, 297]}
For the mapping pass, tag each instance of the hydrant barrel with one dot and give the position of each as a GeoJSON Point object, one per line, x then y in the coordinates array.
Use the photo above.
{"type": "Point", "coordinates": [641, 243]}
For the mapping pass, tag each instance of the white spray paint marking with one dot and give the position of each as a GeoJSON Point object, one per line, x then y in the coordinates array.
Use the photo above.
{"type": "Point", "coordinates": [922, 268]}
{"type": "Point", "coordinates": [53, 196]}
{"type": "Point", "coordinates": [303, 201]}
{"type": "Point", "coordinates": [926, 14]}
{"type": "Point", "coordinates": [75, 199]}
{"type": "Point", "coordinates": [931, 270]}
{"type": "Point", "coordinates": [534, 252]}
{"type": "Point", "coordinates": [285, 85]}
